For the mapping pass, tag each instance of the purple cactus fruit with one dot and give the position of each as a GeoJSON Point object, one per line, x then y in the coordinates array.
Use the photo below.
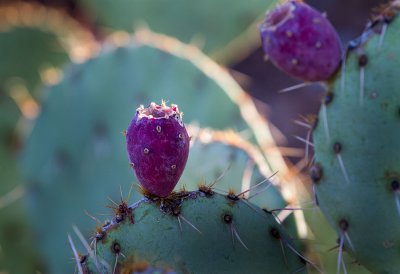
{"type": "Point", "coordinates": [301, 41]}
{"type": "Point", "coordinates": [158, 147]}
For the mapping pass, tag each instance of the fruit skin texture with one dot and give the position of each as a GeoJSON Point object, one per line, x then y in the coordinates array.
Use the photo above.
{"type": "Point", "coordinates": [301, 41]}
{"type": "Point", "coordinates": [158, 147]}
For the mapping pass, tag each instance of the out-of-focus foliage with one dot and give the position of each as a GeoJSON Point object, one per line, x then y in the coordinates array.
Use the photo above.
{"type": "Point", "coordinates": [26, 52]}
{"type": "Point", "coordinates": [34, 42]}
{"type": "Point", "coordinates": [218, 26]}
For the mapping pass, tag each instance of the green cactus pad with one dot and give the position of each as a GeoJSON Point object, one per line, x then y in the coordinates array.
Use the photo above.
{"type": "Point", "coordinates": [324, 245]}
{"type": "Point", "coordinates": [76, 147]}
{"type": "Point", "coordinates": [230, 163]}
{"type": "Point", "coordinates": [193, 232]}
{"type": "Point", "coordinates": [357, 159]}
{"type": "Point", "coordinates": [186, 20]}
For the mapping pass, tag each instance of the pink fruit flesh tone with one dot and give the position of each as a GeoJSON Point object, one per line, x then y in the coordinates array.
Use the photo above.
{"type": "Point", "coordinates": [158, 147]}
{"type": "Point", "coordinates": [301, 41]}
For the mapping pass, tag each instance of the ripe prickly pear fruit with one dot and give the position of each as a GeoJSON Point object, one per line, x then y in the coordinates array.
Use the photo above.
{"type": "Point", "coordinates": [301, 41]}
{"type": "Point", "coordinates": [158, 147]}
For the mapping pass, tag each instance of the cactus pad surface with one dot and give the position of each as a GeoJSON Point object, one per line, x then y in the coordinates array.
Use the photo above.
{"type": "Point", "coordinates": [356, 147]}
{"type": "Point", "coordinates": [198, 232]}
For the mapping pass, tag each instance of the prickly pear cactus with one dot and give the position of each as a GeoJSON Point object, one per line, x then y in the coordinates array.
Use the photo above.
{"type": "Point", "coordinates": [89, 110]}
{"type": "Point", "coordinates": [228, 234]}
{"type": "Point", "coordinates": [357, 165]}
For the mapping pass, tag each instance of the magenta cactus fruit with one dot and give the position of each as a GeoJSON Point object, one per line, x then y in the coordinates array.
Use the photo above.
{"type": "Point", "coordinates": [301, 41]}
{"type": "Point", "coordinates": [158, 147]}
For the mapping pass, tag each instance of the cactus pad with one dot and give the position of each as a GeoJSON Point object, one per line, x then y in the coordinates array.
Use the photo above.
{"type": "Point", "coordinates": [198, 233]}
{"type": "Point", "coordinates": [357, 164]}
